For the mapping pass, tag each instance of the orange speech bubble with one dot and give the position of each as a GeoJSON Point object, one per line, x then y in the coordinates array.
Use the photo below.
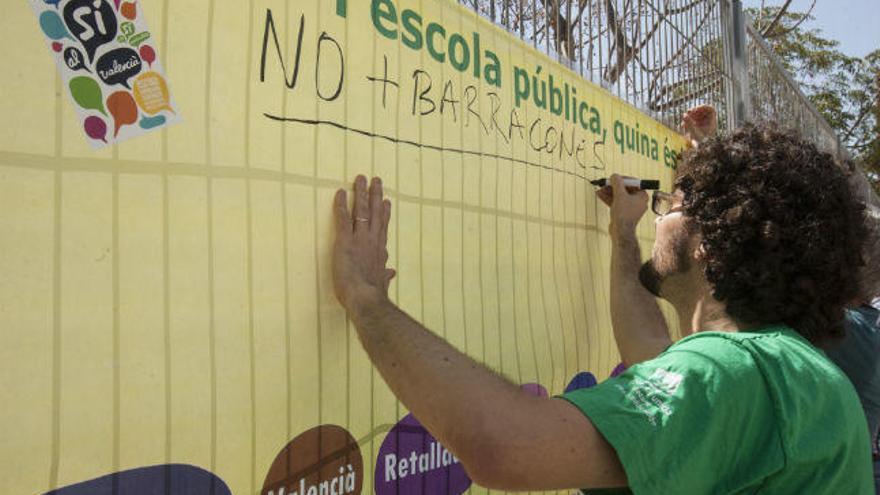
{"type": "Point", "coordinates": [123, 109]}
{"type": "Point", "coordinates": [151, 93]}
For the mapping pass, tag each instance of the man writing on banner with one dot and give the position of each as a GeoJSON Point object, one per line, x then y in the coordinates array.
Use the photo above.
{"type": "Point", "coordinates": [755, 249]}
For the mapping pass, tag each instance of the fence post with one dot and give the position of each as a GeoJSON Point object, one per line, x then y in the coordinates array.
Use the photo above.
{"type": "Point", "coordinates": [739, 107]}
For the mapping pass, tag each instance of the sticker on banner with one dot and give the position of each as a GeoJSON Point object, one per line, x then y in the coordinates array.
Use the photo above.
{"type": "Point", "coordinates": [114, 76]}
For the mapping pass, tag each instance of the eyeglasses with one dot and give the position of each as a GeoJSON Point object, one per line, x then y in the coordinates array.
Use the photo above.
{"type": "Point", "coordinates": [662, 203]}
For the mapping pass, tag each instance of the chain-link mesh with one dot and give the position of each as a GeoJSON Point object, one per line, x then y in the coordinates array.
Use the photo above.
{"type": "Point", "coordinates": [663, 56]}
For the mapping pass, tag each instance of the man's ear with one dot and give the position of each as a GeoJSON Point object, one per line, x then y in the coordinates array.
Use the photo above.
{"type": "Point", "coordinates": [699, 252]}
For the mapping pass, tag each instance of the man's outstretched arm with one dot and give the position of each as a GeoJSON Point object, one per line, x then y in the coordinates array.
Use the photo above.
{"type": "Point", "coordinates": [504, 437]}
{"type": "Point", "coordinates": [640, 330]}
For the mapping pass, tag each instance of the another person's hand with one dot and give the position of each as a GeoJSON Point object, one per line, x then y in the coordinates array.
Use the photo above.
{"type": "Point", "coordinates": [699, 124]}
{"type": "Point", "coordinates": [360, 277]}
{"type": "Point", "coordinates": [627, 207]}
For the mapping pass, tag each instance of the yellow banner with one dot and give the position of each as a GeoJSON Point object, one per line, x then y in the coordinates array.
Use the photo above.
{"type": "Point", "coordinates": [166, 311]}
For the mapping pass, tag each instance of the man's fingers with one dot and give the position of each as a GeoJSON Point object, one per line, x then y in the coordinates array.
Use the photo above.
{"type": "Point", "coordinates": [386, 219]}
{"type": "Point", "coordinates": [687, 123]}
{"type": "Point", "coordinates": [340, 209]}
{"type": "Point", "coordinates": [377, 211]}
{"type": "Point", "coordinates": [361, 208]}
{"type": "Point", "coordinates": [605, 195]}
{"type": "Point", "coordinates": [617, 186]}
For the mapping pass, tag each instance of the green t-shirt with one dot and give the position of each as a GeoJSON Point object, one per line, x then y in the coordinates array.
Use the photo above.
{"type": "Point", "coordinates": [727, 413]}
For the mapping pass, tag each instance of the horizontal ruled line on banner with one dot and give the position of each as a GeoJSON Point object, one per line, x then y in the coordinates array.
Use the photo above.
{"type": "Point", "coordinates": [395, 140]}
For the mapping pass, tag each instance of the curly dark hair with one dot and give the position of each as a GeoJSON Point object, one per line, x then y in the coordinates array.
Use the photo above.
{"type": "Point", "coordinates": [781, 230]}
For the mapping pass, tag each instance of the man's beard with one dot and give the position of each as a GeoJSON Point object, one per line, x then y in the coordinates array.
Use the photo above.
{"type": "Point", "coordinates": [650, 278]}
{"type": "Point", "coordinates": [677, 262]}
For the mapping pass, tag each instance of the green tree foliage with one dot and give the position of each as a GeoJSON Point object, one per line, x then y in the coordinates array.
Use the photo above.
{"type": "Point", "coordinates": [845, 89]}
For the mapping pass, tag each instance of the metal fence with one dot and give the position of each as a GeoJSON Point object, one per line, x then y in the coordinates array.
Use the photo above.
{"type": "Point", "coordinates": [665, 56]}
{"type": "Point", "coordinates": [776, 96]}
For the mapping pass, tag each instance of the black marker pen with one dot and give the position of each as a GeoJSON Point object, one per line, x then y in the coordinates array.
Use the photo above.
{"type": "Point", "coordinates": [630, 183]}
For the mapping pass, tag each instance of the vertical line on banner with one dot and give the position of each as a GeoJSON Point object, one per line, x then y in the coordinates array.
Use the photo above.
{"type": "Point", "coordinates": [529, 265]}
{"type": "Point", "coordinates": [480, 245]}
{"type": "Point", "coordinates": [497, 261]}
{"type": "Point", "coordinates": [166, 270]}
{"type": "Point", "coordinates": [549, 340]}
{"type": "Point", "coordinates": [115, 325]}
{"type": "Point", "coordinates": [345, 147]}
{"type": "Point", "coordinates": [166, 302]}
{"type": "Point", "coordinates": [421, 151]}
{"type": "Point", "coordinates": [568, 268]}
{"type": "Point", "coordinates": [397, 179]}
{"type": "Point", "coordinates": [579, 260]}
{"type": "Point", "coordinates": [464, 313]}
{"type": "Point", "coordinates": [250, 248]}
{"type": "Point", "coordinates": [317, 266]}
{"type": "Point", "coordinates": [284, 255]}
{"type": "Point", "coordinates": [513, 266]}
{"type": "Point", "coordinates": [373, 168]}
{"type": "Point", "coordinates": [443, 201]}
{"type": "Point", "coordinates": [56, 301]}
{"type": "Point", "coordinates": [209, 185]}
{"type": "Point", "coordinates": [554, 271]}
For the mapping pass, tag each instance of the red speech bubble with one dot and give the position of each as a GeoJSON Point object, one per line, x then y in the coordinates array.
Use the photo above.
{"type": "Point", "coordinates": [123, 109]}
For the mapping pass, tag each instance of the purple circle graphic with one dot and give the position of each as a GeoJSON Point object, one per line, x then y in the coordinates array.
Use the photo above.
{"type": "Point", "coordinates": [535, 389]}
{"type": "Point", "coordinates": [171, 479]}
{"type": "Point", "coordinates": [620, 368]}
{"type": "Point", "coordinates": [584, 379]}
{"type": "Point", "coordinates": [412, 462]}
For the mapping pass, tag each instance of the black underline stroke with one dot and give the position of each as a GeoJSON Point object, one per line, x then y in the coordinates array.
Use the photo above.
{"type": "Point", "coordinates": [395, 140]}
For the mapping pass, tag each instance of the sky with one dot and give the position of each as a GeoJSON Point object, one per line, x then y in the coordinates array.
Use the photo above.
{"type": "Point", "coordinates": [854, 23]}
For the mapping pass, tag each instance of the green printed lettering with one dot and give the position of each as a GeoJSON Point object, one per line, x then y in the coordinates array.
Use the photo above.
{"type": "Point", "coordinates": [619, 136]}
{"type": "Point", "coordinates": [492, 72]}
{"type": "Point", "coordinates": [341, 7]}
{"type": "Point", "coordinates": [433, 30]}
{"type": "Point", "coordinates": [412, 23]}
{"type": "Point", "coordinates": [476, 55]}
{"type": "Point", "coordinates": [595, 121]}
{"type": "Point", "coordinates": [460, 64]}
{"type": "Point", "coordinates": [521, 87]}
{"type": "Point", "coordinates": [582, 110]}
{"type": "Point", "coordinates": [555, 98]}
{"type": "Point", "coordinates": [389, 13]}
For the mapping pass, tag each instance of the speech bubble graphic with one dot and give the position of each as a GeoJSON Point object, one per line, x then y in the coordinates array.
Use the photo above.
{"type": "Point", "coordinates": [75, 59]}
{"type": "Point", "coordinates": [127, 29]}
{"type": "Point", "coordinates": [96, 128]}
{"type": "Point", "coordinates": [92, 22]}
{"type": "Point", "coordinates": [118, 66]}
{"type": "Point", "coordinates": [152, 122]}
{"type": "Point", "coordinates": [52, 26]}
{"type": "Point", "coordinates": [129, 10]}
{"type": "Point", "coordinates": [151, 93]}
{"type": "Point", "coordinates": [322, 460]}
{"type": "Point", "coordinates": [123, 108]}
{"type": "Point", "coordinates": [139, 38]}
{"type": "Point", "coordinates": [87, 93]}
{"type": "Point", "coordinates": [148, 55]}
